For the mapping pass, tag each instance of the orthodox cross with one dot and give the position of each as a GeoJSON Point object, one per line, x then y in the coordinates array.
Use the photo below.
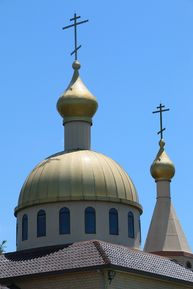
{"type": "Point", "coordinates": [160, 111]}
{"type": "Point", "coordinates": [75, 24]}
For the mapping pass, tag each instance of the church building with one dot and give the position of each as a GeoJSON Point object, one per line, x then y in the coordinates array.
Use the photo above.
{"type": "Point", "coordinates": [78, 216]}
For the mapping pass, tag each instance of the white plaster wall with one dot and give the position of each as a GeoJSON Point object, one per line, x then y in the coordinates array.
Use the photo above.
{"type": "Point", "coordinates": [163, 189]}
{"type": "Point", "coordinates": [77, 135]}
{"type": "Point", "coordinates": [77, 228]}
{"type": "Point", "coordinates": [165, 231]}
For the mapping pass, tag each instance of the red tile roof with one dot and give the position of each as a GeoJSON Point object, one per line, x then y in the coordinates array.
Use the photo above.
{"type": "Point", "coordinates": [88, 254]}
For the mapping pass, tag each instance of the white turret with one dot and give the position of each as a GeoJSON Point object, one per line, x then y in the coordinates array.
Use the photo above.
{"type": "Point", "coordinates": [165, 236]}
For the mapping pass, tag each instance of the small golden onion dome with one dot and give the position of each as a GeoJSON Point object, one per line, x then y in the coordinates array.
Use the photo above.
{"type": "Point", "coordinates": [77, 102]}
{"type": "Point", "coordinates": [162, 167]}
{"type": "Point", "coordinates": [75, 176]}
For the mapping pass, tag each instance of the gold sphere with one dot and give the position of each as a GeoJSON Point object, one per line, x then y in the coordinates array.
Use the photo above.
{"type": "Point", "coordinates": [77, 102]}
{"type": "Point", "coordinates": [162, 167]}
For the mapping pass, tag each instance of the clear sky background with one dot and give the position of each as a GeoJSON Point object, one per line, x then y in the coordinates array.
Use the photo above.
{"type": "Point", "coordinates": [134, 54]}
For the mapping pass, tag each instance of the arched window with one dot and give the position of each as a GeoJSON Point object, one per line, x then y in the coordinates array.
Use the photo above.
{"type": "Point", "coordinates": [113, 222]}
{"type": "Point", "coordinates": [131, 230]}
{"type": "Point", "coordinates": [90, 221]}
{"type": "Point", "coordinates": [139, 230]}
{"type": "Point", "coordinates": [24, 227]}
{"type": "Point", "coordinates": [41, 223]}
{"type": "Point", "coordinates": [64, 221]}
{"type": "Point", "coordinates": [17, 233]}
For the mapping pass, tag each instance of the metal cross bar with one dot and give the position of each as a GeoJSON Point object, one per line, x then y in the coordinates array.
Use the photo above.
{"type": "Point", "coordinates": [75, 32]}
{"type": "Point", "coordinates": [75, 50]}
{"type": "Point", "coordinates": [77, 23]}
{"type": "Point", "coordinates": [75, 17]}
{"type": "Point", "coordinates": [160, 111]}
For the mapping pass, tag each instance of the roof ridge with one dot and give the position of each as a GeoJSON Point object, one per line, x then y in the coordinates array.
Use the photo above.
{"type": "Point", "coordinates": [137, 250]}
{"type": "Point", "coordinates": [102, 252]}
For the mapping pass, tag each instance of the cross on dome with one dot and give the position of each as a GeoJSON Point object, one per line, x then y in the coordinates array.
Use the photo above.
{"type": "Point", "coordinates": [76, 47]}
{"type": "Point", "coordinates": [160, 111]}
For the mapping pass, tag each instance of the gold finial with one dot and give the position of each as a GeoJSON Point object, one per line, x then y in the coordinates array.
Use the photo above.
{"type": "Point", "coordinates": [161, 150]}
{"type": "Point", "coordinates": [77, 102]}
{"type": "Point", "coordinates": [76, 65]}
{"type": "Point", "coordinates": [162, 167]}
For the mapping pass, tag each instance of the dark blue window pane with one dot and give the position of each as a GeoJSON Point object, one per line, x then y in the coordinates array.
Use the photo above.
{"type": "Point", "coordinates": [64, 221]}
{"type": "Point", "coordinates": [113, 222]}
{"type": "Point", "coordinates": [24, 227]}
{"type": "Point", "coordinates": [139, 230]}
{"type": "Point", "coordinates": [17, 233]}
{"type": "Point", "coordinates": [131, 232]}
{"type": "Point", "coordinates": [90, 221]}
{"type": "Point", "coordinates": [41, 223]}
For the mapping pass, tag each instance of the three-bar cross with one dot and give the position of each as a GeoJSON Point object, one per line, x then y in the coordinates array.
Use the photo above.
{"type": "Point", "coordinates": [160, 111]}
{"type": "Point", "coordinates": [75, 32]}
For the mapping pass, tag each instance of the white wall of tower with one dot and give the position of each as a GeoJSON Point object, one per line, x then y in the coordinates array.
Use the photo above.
{"type": "Point", "coordinates": [77, 224]}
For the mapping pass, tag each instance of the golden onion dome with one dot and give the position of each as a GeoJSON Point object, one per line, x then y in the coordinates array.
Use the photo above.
{"type": "Point", "coordinates": [162, 167]}
{"type": "Point", "coordinates": [77, 102]}
{"type": "Point", "coordinates": [76, 176]}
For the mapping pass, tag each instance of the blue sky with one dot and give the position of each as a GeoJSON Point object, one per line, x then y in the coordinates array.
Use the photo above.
{"type": "Point", "coordinates": [134, 54]}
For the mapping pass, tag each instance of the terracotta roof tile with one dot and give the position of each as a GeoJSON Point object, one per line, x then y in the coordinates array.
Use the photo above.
{"type": "Point", "coordinates": [146, 262]}
{"type": "Point", "coordinates": [88, 254]}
